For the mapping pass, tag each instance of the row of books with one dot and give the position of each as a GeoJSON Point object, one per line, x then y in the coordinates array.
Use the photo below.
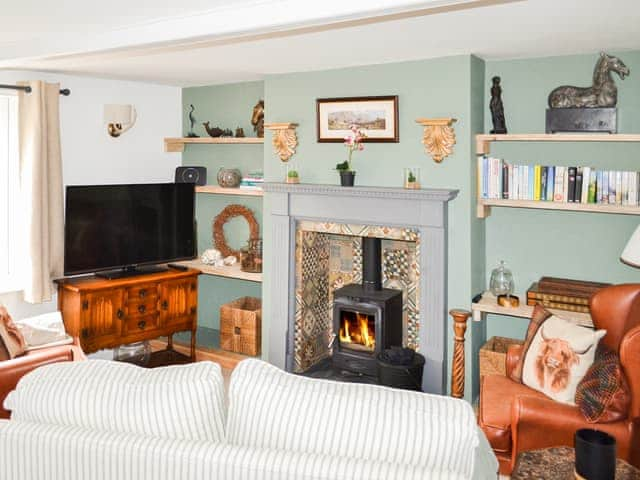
{"type": "Point", "coordinates": [498, 179]}
{"type": "Point", "coordinates": [563, 294]}
{"type": "Point", "coordinates": [253, 181]}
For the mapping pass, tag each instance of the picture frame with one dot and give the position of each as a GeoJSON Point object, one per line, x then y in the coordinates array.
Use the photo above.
{"type": "Point", "coordinates": [377, 116]}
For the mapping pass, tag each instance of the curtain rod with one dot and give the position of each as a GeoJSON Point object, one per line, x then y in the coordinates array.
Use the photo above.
{"type": "Point", "coordinates": [65, 91]}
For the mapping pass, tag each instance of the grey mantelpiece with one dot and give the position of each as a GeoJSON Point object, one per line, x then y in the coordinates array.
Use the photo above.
{"type": "Point", "coordinates": [424, 210]}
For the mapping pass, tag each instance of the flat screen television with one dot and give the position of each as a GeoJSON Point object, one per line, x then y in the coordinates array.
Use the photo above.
{"type": "Point", "coordinates": [121, 227]}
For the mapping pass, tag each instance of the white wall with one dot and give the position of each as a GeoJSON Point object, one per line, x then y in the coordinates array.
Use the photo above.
{"type": "Point", "coordinates": [91, 156]}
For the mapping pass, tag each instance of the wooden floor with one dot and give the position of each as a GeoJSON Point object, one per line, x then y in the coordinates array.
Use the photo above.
{"type": "Point", "coordinates": [227, 360]}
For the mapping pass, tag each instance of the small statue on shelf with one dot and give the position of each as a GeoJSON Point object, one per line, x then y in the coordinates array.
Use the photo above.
{"type": "Point", "coordinates": [257, 119]}
{"type": "Point", "coordinates": [497, 108]}
{"type": "Point", "coordinates": [192, 121]}
{"type": "Point", "coordinates": [239, 132]}
{"type": "Point", "coordinates": [214, 132]}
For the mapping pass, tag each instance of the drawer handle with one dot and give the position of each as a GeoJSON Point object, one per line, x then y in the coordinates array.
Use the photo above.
{"type": "Point", "coordinates": [143, 293]}
{"type": "Point", "coordinates": [142, 324]}
{"type": "Point", "coordinates": [193, 309]}
{"type": "Point", "coordinates": [85, 305]}
{"type": "Point", "coordinates": [120, 313]}
{"type": "Point", "coordinates": [193, 287]}
{"type": "Point", "coordinates": [236, 330]}
{"type": "Point", "coordinates": [142, 308]}
{"type": "Point", "coordinates": [84, 332]}
{"type": "Point", "coordinates": [165, 305]}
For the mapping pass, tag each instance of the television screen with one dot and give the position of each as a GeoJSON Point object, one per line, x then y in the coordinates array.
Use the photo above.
{"type": "Point", "coordinates": [116, 226]}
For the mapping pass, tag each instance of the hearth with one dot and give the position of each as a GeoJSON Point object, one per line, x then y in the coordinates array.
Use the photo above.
{"type": "Point", "coordinates": [366, 318]}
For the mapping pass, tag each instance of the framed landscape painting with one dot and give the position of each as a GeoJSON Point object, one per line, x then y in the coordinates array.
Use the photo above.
{"type": "Point", "coordinates": [377, 116]}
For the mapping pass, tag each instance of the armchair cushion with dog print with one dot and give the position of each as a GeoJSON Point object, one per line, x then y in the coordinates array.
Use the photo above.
{"type": "Point", "coordinates": [559, 356]}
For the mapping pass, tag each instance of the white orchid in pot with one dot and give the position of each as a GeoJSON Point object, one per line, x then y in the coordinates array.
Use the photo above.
{"type": "Point", "coordinates": [353, 142]}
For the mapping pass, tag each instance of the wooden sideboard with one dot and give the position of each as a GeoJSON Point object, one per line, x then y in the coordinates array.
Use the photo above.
{"type": "Point", "coordinates": [108, 313]}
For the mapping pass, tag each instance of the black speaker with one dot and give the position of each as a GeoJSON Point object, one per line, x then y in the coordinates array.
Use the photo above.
{"type": "Point", "coordinates": [197, 175]}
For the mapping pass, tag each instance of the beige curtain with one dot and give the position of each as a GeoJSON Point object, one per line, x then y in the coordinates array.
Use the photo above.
{"type": "Point", "coordinates": [41, 188]}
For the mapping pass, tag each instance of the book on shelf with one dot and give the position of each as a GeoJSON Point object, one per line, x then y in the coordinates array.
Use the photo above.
{"type": "Point", "coordinates": [498, 179]}
{"type": "Point", "coordinates": [559, 306]}
{"type": "Point", "coordinates": [570, 297]}
{"type": "Point", "coordinates": [548, 284]}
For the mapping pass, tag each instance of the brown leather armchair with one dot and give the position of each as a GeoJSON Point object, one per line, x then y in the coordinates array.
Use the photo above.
{"type": "Point", "coordinates": [11, 371]}
{"type": "Point", "coordinates": [516, 418]}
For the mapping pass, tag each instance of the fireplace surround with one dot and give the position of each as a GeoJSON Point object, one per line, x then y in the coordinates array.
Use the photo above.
{"type": "Point", "coordinates": [422, 211]}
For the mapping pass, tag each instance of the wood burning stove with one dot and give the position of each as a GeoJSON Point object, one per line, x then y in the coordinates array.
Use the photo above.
{"type": "Point", "coordinates": [366, 318]}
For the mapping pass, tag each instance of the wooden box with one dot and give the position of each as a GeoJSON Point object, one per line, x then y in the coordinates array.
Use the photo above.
{"type": "Point", "coordinates": [241, 326]}
{"type": "Point", "coordinates": [493, 355]}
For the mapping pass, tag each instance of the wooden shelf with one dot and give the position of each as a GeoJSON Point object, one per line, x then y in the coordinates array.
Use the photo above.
{"type": "Point", "coordinates": [483, 140]}
{"type": "Point", "coordinates": [488, 304]}
{"type": "Point", "coordinates": [214, 189]}
{"type": "Point", "coordinates": [177, 144]}
{"type": "Point", "coordinates": [228, 272]}
{"type": "Point", "coordinates": [484, 206]}
{"type": "Point", "coordinates": [483, 147]}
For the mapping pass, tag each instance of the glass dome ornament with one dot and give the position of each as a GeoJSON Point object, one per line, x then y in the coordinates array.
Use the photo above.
{"type": "Point", "coordinates": [501, 283]}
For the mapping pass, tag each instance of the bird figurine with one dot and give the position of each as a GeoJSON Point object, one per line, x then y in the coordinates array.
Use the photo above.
{"type": "Point", "coordinates": [214, 132]}
{"type": "Point", "coordinates": [192, 121]}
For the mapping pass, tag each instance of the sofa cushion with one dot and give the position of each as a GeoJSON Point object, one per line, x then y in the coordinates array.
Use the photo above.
{"type": "Point", "coordinates": [539, 315]}
{"type": "Point", "coordinates": [53, 452]}
{"type": "Point", "coordinates": [603, 394]}
{"type": "Point", "coordinates": [273, 409]}
{"type": "Point", "coordinates": [12, 343]}
{"type": "Point", "coordinates": [180, 402]}
{"type": "Point", "coordinates": [559, 356]}
{"type": "Point", "coordinates": [494, 417]}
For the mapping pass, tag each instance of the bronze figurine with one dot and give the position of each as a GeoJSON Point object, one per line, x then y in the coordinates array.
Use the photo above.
{"type": "Point", "coordinates": [257, 119]}
{"type": "Point", "coordinates": [214, 132]}
{"type": "Point", "coordinates": [602, 94]}
{"type": "Point", "coordinates": [497, 108]}
{"type": "Point", "coordinates": [192, 121]}
{"type": "Point", "coordinates": [239, 132]}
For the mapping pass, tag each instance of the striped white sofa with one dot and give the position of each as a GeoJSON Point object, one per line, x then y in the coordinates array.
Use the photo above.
{"type": "Point", "coordinates": [105, 420]}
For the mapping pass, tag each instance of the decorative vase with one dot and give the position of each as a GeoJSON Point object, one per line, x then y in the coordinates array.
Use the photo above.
{"type": "Point", "coordinates": [347, 178]}
{"type": "Point", "coordinates": [138, 353]}
{"type": "Point", "coordinates": [229, 177]}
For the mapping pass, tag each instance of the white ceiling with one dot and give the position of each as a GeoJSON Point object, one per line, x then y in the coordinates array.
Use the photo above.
{"type": "Point", "coordinates": [208, 47]}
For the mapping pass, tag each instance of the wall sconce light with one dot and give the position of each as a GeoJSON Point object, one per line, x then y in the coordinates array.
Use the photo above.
{"type": "Point", "coordinates": [119, 118]}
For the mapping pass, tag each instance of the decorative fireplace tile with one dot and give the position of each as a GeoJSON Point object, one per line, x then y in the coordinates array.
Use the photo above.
{"type": "Point", "coordinates": [328, 257]}
{"type": "Point", "coordinates": [313, 316]}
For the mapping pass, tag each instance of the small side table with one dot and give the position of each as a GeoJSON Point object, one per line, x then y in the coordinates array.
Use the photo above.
{"type": "Point", "coordinates": [558, 463]}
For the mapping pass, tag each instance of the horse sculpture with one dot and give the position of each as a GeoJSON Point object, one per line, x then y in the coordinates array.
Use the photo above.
{"type": "Point", "coordinates": [257, 119]}
{"type": "Point", "coordinates": [603, 93]}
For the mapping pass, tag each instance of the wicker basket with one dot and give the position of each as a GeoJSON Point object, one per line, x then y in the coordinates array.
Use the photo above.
{"type": "Point", "coordinates": [493, 355]}
{"type": "Point", "coordinates": [241, 325]}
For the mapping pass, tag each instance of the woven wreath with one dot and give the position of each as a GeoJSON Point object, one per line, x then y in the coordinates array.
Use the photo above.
{"type": "Point", "coordinates": [227, 214]}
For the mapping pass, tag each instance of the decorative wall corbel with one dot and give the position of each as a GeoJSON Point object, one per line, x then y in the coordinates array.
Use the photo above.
{"type": "Point", "coordinates": [439, 136]}
{"type": "Point", "coordinates": [284, 139]}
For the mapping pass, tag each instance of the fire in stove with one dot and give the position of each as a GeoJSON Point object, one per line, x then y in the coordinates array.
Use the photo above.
{"type": "Point", "coordinates": [357, 331]}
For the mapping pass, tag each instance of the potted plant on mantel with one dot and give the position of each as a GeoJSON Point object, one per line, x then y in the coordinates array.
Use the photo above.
{"type": "Point", "coordinates": [293, 177]}
{"type": "Point", "coordinates": [353, 142]}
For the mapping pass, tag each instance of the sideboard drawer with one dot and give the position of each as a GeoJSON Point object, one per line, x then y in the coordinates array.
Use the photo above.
{"type": "Point", "coordinates": [143, 292]}
{"type": "Point", "coordinates": [139, 308]}
{"type": "Point", "coordinates": [141, 323]}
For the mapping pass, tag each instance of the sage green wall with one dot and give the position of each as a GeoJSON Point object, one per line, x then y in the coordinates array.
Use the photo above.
{"type": "Point", "coordinates": [536, 242]}
{"type": "Point", "coordinates": [226, 106]}
{"type": "Point", "coordinates": [429, 88]}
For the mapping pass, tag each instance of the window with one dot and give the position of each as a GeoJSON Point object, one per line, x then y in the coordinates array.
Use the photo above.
{"type": "Point", "coordinates": [10, 226]}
